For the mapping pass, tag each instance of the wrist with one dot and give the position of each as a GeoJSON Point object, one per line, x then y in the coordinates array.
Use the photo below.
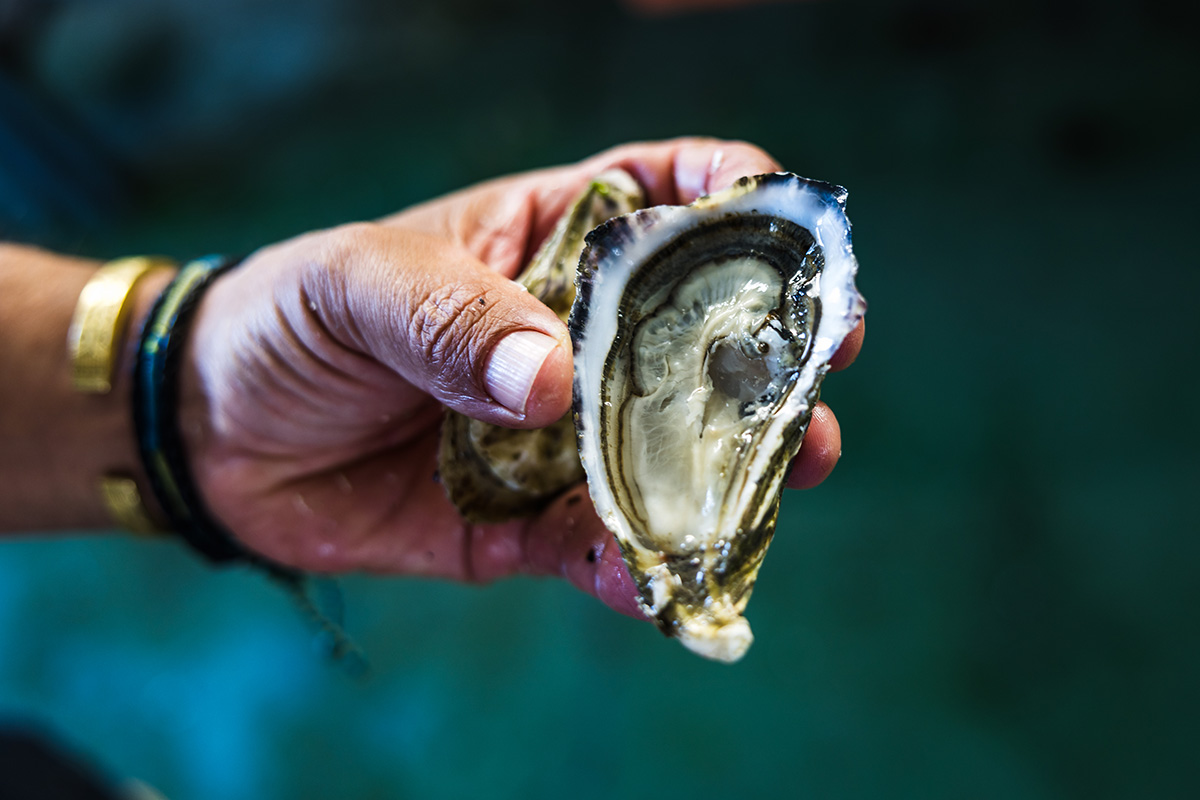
{"type": "Point", "coordinates": [55, 441]}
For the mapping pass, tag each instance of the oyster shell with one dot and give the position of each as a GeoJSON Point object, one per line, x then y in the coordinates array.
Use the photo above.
{"type": "Point", "coordinates": [492, 473]}
{"type": "Point", "coordinates": [701, 336]}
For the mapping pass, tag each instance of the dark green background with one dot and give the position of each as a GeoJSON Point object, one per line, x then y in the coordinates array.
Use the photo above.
{"type": "Point", "coordinates": [994, 595]}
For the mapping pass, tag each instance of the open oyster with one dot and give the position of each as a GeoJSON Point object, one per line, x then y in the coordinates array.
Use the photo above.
{"type": "Point", "coordinates": [492, 473]}
{"type": "Point", "coordinates": [701, 336]}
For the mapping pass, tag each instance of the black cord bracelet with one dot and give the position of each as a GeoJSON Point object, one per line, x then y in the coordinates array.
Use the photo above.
{"type": "Point", "coordinates": [156, 412]}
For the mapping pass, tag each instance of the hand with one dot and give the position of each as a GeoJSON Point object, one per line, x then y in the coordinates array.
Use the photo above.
{"type": "Point", "coordinates": [312, 407]}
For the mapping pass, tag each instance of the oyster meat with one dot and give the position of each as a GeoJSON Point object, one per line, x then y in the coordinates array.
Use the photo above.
{"type": "Point", "coordinates": [492, 473]}
{"type": "Point", "coordinates": [701, 336]}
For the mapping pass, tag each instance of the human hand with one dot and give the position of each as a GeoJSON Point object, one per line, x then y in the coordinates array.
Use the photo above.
{"type": "Point", "coordinates": [312, 405]}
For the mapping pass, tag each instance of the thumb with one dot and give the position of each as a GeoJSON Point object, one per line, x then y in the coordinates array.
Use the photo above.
{"type": "Point", "coordinates": [473, 339]}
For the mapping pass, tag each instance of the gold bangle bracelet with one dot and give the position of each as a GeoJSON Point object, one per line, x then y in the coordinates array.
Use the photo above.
{"type": "Point", "coordinates": [123, 502]}
{"type": "Point", "coordinates": [99, 321]}
{"type": "Point", "coordinates": [94, 342]}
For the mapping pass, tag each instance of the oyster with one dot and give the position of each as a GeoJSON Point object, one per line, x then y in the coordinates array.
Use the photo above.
{"type": "Point", "coordinates": [492, 473]}
{"type": "Point", "coordinates": [701, 336]}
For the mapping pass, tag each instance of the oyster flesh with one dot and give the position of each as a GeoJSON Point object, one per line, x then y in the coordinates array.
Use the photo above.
{"type": "Point", "coordinates": [701, 336]}
{"type": "Point", "coordinates": [491, 473]}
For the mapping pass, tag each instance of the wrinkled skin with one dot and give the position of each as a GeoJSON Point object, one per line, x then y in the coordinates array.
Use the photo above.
{"type": "Point", "coordinates": [319, 368]}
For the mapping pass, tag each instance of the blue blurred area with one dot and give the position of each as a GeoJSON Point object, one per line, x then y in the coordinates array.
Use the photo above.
{"type": "Point", "coordinates": [993, 596]}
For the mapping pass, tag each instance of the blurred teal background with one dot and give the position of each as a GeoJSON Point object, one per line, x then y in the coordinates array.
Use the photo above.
{"type": "Point", "coordinates": [995, 594]}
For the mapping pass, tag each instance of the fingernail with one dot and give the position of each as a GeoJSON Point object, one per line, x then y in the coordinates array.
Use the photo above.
{"type": "Point", "coordinates": [514, 365]}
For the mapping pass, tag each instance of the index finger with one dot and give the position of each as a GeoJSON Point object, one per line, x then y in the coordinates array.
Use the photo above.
{"type": "Point", "coordinates": [504, 221]}
{"type": "Point", "coordinates": [674, 172]}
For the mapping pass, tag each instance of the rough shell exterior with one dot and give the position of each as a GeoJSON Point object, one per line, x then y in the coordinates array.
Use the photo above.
{"type": "Point", "coordinates": [491, 473]}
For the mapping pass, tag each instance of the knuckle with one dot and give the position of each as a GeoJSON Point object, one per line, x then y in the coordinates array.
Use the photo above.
{"type": "Point", "coordinates": [448, 321]}
{"type": "Point", "coordinates": [355, 234]}
{"type": "Point", "coordinates": [348, 242]}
